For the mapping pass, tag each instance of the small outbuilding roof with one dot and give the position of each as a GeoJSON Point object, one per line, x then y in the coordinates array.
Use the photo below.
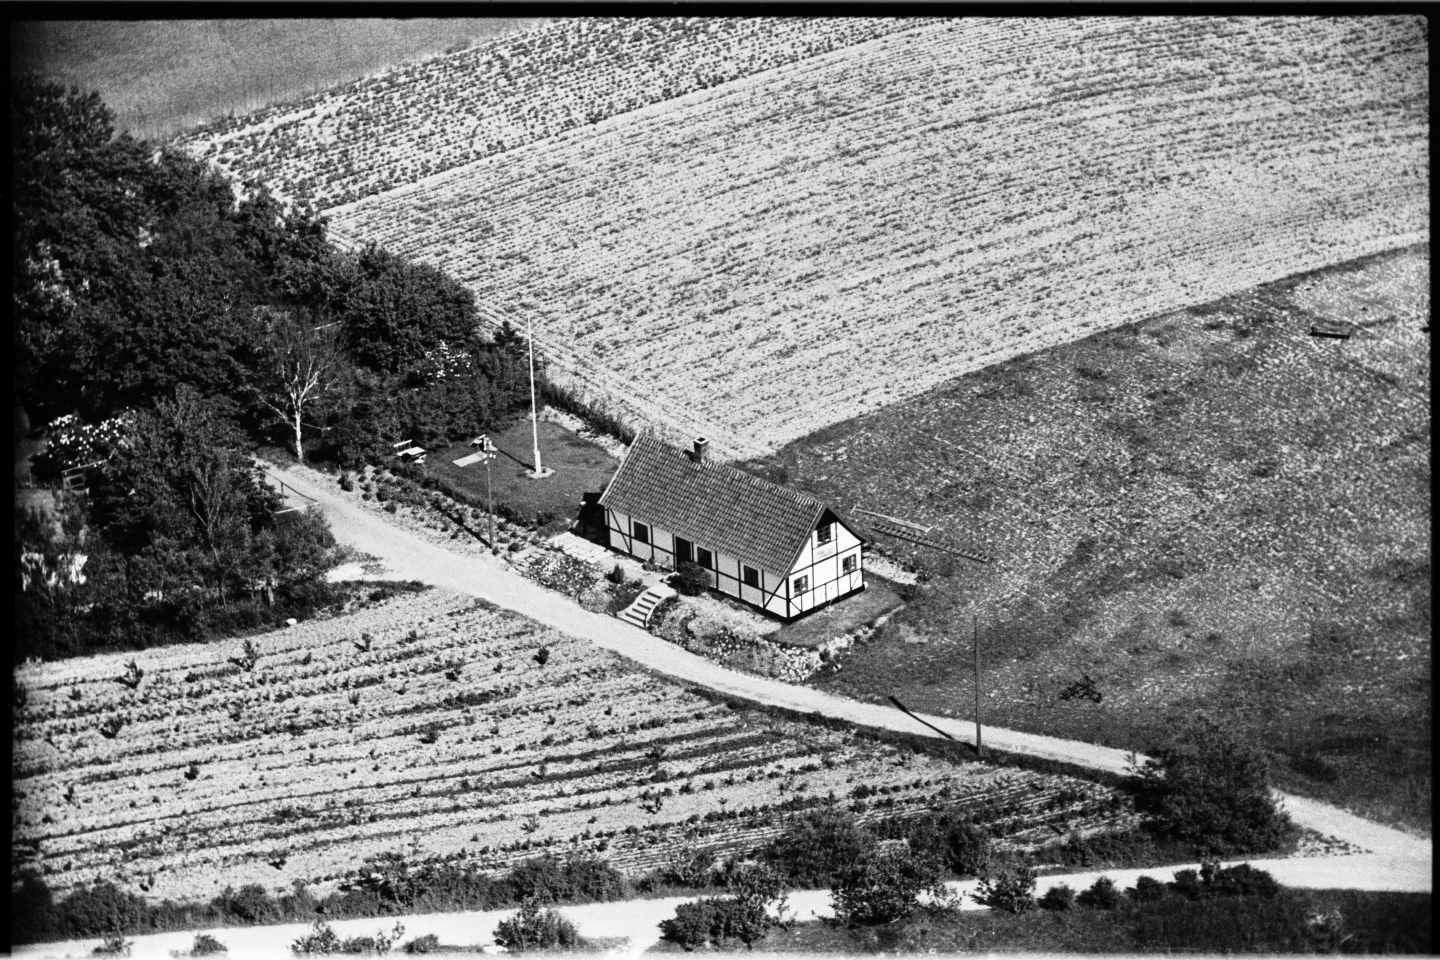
{"type": "Point", "coordinates": [717, 506]}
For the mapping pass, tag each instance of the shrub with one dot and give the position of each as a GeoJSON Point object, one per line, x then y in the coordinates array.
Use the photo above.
{"type": "Point", "coordinates": [1102, 895]}
{"type": "Point", "coordinates": [534, 929]}
{"type": "Point", "coordinates": [691, 579]}
{"type": "Point", "coordinates": [715, 920]}
{"type": "Point", "coordinates": [884, 886]}
{"type": "Point", "coordinates": [1241, 880]}
{"type": "Point", "coordinates": [1208, 790]}
{"type": "Point", "coordinates": [616, 574]}
{"type": "Point", "coordinates": [426, 944]}
{"type": "Point", "coordinates": [1058, 897]}
{"type": "Point", "coordinates": [320, 939]}
{"type": "Point", "coordinates": [962, 847]}
{"type": "Point", "coordinates": [1147, 889]}
{"type": "Point", "coordinates": [206, 946]}
{"type": "Point", "coordinates": [113, 945]}
{"type": "Point", "coordinates": [818, 847]}
{"type": "Point", "coordinates": [1011, 889]}
{"type": "Point", "coordinates": [690, 868]}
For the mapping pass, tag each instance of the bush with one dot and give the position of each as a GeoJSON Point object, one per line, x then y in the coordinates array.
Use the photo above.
{"type": "Point", "coordinates": [1102, 895]}
{"type": "Point", "coordinates": [206, 946]}
{"type": "Point", "coordinates": [1241, 880]}
{"type": "Point", "coordinates": [884, 886]}
{"type": "Point", "coordinates": [690, 868]}
{"type": "Point", "coordinates": [616, 575]}
{"type": "Point", "coordinates": [534, 929]}
{"type": "Point", "coordinates": [1010, 889]}
{"type": "Point", "coordinates": [1208, 790]}
{"type": "Point", "coordinates": [962, 847]}
{"type": "Point", "coordinates": [715, 920]}
{"type": "Point", "coordinates": [818, 847]}
{"type": "Point", "coordinates": [426, 944]}
{"type": "Point", "coordinates": [1147, 889]}
{"type": "Point", "coordinates": [1058, 897]}
{"type": "Point", "coordinates": [691, 579]}
{"type": "Point", "coordinates": [113, 946]}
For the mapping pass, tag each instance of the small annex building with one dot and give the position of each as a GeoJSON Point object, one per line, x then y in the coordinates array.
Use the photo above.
{"type": "Point", "coordinates": [775, 548]}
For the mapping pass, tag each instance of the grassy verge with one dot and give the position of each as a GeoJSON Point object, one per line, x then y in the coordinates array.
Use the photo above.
{"type": "Point", "coordinates": [1286, 923]}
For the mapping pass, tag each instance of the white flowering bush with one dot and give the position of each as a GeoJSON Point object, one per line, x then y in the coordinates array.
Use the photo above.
{"type": "Point", "coordinates": [71, 442]}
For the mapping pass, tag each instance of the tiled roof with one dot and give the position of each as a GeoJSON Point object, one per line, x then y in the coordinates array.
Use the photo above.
{"type": "Point", "coordinates": [714, 505]}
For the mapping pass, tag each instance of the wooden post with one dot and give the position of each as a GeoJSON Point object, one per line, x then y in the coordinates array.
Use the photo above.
{"type": "Point", "coordinates": [975, 642]}
{"type": "Point", "coordinates": [490, 499]}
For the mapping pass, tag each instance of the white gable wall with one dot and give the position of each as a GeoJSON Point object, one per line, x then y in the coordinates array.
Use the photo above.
{"type": "Point", "coordinates": [820, 564]}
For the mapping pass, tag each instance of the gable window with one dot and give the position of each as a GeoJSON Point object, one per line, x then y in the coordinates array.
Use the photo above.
{"type": "Point", "coordinates": [705, 558]}
{"type": "Point", "coordinates": [751, 577]}
{"type": "Point", "coordinates": [642, 532]}
{"type": "Point", "coordinates": [847, 565]}
{"type": "Point", "coordinates": [822, 534]}
{"type": "Point", "coordinates": [802, 584]}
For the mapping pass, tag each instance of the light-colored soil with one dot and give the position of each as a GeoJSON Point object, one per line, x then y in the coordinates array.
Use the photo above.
{"type": "Point", "coordinates": [755, 261]}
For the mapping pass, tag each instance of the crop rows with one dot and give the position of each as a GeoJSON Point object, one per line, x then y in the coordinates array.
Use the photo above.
{"type": "Point", "coordinates": [812, 242]}
{"type": "Point", "coordinates": [437, 728]}
{"type": "Point", "coordinates": [419, 119]}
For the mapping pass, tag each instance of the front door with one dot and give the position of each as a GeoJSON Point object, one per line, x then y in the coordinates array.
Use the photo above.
{"type": "Point", "coordinates": [684, 551]}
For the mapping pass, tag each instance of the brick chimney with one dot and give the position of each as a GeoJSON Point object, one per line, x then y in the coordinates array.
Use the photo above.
{"type": "Point", "coordinates": [701, 453]}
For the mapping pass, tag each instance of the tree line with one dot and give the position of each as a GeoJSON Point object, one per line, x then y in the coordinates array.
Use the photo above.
{"type": "Point", "coordinates": [167, 324]}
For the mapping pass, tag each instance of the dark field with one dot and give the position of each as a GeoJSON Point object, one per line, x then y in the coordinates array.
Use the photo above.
{"type": "Point", "coordinates": [162, 76]}
{"type": "Point", "coordinates": [1370, 923]}
{"type": "Point", "coordinates": [1209, 512]}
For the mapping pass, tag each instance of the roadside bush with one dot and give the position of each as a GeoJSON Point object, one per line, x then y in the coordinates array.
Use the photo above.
{"type": "Point", "coordinates": [1241, 880]}
{"type": "Point", "coordinates": [819, 846]}
{"type": "Point", "coordinates": [961, 845]}
{"type": "Point", "coordinates": [884, 886]}
{"type": "Point", "coordinates": [715, 920]}
{"type": "Point", "coordinates": [690, 868]}
{"type": "Point", "coordinates": [548, 879]}
{"type": "Point", "coordinates": [1102, 895]}
{"type": "Point", "coordinates": [426, 944]}
{"type": "Point", "coordinates": [113, 946]}
{"type": "Point", "coordinates": [206, 946]}
{"type": "Point", "coordinates": [534, 929]}
{"type": "Point", "coordinates": [1058, 897]}
{"type": "Point", "coordinates": [1010, 889]}
{"type": "Point", "coordinates": [1209, 790]}
{"type": "Point", "coordinates": [1147, 889]}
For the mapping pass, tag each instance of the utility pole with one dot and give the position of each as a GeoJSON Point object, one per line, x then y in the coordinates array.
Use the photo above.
{"type": "Point", "coordinates": [975, 643]}
{"type": "Point", "coordinates": [489, 450]}
{"type": "Point", "coordinates": [534, 423]}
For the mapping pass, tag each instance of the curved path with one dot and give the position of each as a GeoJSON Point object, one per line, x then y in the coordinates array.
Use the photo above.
{"type": "Point", "coordinates": [1391, 853]}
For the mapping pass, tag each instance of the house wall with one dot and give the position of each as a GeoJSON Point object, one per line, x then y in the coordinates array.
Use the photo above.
{"type": "Point", "coordinates": [726, 575]}
{"type": "Point", "coordinates": [820, 564]}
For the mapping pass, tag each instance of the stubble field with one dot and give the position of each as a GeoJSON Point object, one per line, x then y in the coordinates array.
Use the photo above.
{"type": "Point", "coordinates": [434, 728]}
{"type": "Point", "coordinates": [1211, 512]}
{"type": "Point", "coordinates": [757, 260]}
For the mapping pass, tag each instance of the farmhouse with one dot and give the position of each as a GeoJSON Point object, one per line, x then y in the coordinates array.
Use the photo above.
{"type": "Point", "coordinates": [778, 549]}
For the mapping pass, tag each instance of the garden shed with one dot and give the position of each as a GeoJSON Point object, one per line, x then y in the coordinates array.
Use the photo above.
{"type": "Point", "coordinates": [778, 549]}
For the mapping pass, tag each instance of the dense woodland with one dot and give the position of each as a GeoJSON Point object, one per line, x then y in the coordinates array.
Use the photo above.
{"type": "Point", "coordinates": [167, 325]}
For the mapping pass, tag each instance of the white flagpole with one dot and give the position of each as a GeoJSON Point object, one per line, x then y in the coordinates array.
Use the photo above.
{"type": "Point", "coordinates": [534, 424]}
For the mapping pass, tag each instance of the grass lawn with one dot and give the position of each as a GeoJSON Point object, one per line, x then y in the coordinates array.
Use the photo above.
{"type": "Point", "coordinates": [1208, 512]}
{"type": "Point", "coordinates": [580, 467]}
{"type": "Point", "coordinates": [1372, 922]}
{"type": "Point", "coordinates": [877, 599]}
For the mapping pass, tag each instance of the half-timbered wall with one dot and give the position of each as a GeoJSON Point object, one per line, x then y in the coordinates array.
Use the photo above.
{"type": "Point", "coordinates": [821, 563]}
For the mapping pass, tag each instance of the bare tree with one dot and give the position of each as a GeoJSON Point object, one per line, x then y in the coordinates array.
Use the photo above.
{"type": "Point", "coordinates": [303, 362]}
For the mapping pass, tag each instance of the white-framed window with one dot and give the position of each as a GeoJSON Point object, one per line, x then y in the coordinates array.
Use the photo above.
{"type": "Point", "coordinates": [823, 533]}
{"type": "Point", "coordinates": [751, 576]}
{"type": "Point", "coordinates": [705, 558]}
{"type": "Point", "coordinates": [802, 584]}
{"type": "Point", "coordinates": [848, 564]}
{"type": "Point", "coordinates": [642, 532]}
